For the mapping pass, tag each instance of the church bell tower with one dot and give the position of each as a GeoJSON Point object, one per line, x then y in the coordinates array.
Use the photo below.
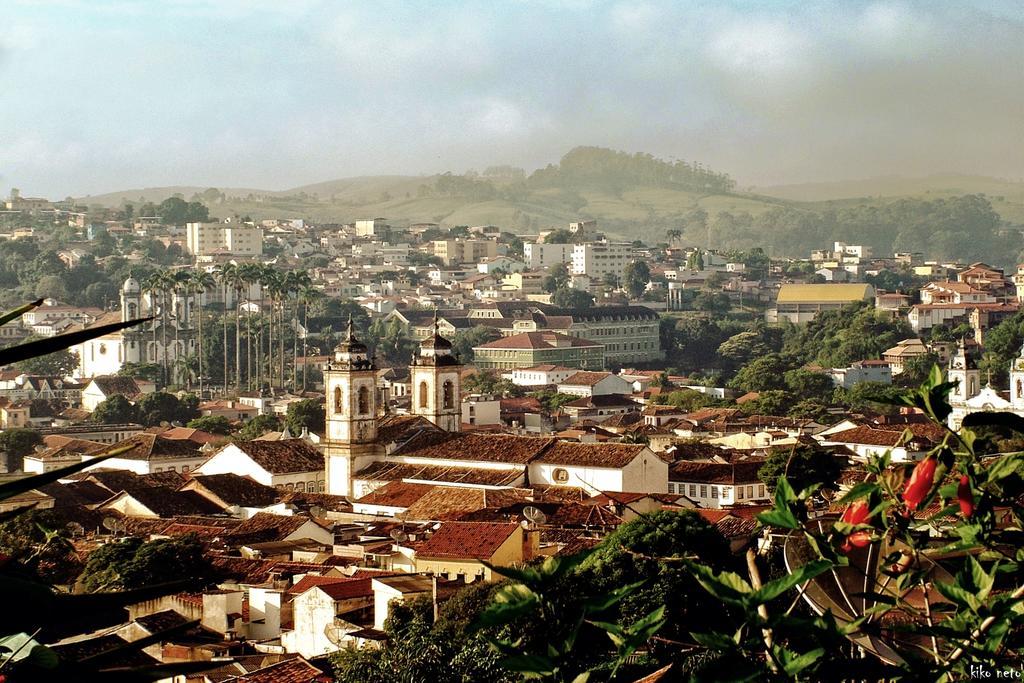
{"type": "Point", "coordinates": [435, 375]}
{"type": "Point", "coordinates": [351, 383]}
{"type": "Point", "coordinates": [964, 371]}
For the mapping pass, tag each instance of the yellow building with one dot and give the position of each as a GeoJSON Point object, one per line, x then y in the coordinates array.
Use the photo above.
{"type": "Point", "coordinates": [456, 549]}
{"type": "Point", "coordinates": [799, 303]}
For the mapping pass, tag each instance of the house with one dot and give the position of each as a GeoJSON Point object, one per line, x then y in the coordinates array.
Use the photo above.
{"type": "Point", "coordinates": [157, 501]}
{"type": "Point", "coordinates": [481, 410]}
{"type": "Point", "coordinates": [264, 527]}
{"type": "Point", "coordinates": [14, 414]}
{"type": "Point", "coordinates": [599, 408]}
{"type": "Point", "coordinates": [318, 611]}
{"type": "Point", "coordinates": [540, 375]}
{"type": "Point", "coordinates": [99, 389]}
{"type": "Point", "coordinates": [230, 490]}
{"type": "Point", "coordinates": [718, 484]}
{"type": "Point", "coordinates": [600, 467]}
{"type": "Point", "coordinates": [148, 453]}
{"type": "Point", "coordinates": [898, 355]}
{"type": "Point", "coordinates": [68, 452]}
{"type": "Point", "coordinates": [292, 464]}
{"type": "Point", "coordinates": [594, 384]}
{"type": "Point", "coordinates": [862, 371]}
{"type": "Point", "coordinates": [388, 590]}
{"type": "Point", "coordinates": [906, 442]}
{"type": "Point", "coordinates": [456, 549]}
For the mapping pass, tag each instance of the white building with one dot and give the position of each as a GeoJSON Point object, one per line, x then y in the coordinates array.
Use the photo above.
{"type": "Point", "coordinates": [238, 239]}
{"type": "Point", "coordinates": [540, 255]}
{"type": "Point", "coordinates": [540, 375]}
{"type": "Point", "coordinates": [601, 467]}
{"type": "Point", "coordinates": [599, 258]}
{"type": "Point", "coordinates": [479, 409]}
{"type": "Point", "coordinates": [594, 384]}
{"type": "Point", "coordinates": [862, 371]}
{"type": "Point", "coordinates": [292, 464]}
{"type": "Point", "coordinates": [371, 227]}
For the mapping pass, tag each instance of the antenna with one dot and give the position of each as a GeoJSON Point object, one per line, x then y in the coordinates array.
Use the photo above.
{"type": "Point", "coordinates": [316, 511]}
{"type": "Point", "coordinates": [113, 525]}
{"type": "Point", "coordinates": [334, 634]}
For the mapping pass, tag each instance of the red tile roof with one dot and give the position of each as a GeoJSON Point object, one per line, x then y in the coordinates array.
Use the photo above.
{"type": "Point", "coordinates": [465, 540]}
{"type": "Point", "coordinates": [538, 340]}
{"type": "Point", "coordinates": [283, 457]}
{"type": "Point", "coordinates": [744, 472]}
{"type": "Point", "coordinates": [476, 447]}
{"type": "Point", "coordinates": [591, 454]}
{"type": "Point", "coordinates": [395, 494]}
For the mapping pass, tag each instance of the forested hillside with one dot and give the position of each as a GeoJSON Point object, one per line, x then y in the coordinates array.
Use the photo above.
{"type": "Point", "coordinates": [641, 196]}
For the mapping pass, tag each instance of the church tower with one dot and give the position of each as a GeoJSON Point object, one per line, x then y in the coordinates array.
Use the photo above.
{"type": "Point", "coordinates": [351, 383]}
{"type": "Point", "coordinates": [963, 370]}
{"type": "Point", "coordinates": [1017, 381]}
{"type": "Point", "coordinates": [131, 299]}
{"type": "Point", "coordinates": [435, 376]}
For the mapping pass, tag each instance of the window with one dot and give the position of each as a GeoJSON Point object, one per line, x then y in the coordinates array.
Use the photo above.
{"type": "Point", "coordinates": [300, 486]}
{"type": "Point", "coordinates": [337, 401]}
{"type": "Point", "coordinates": [703, 491]}
{"type": "Point", "coordinates": [424, 392]}
{"type": "Point", "coordinates": [760, 491]}
{"type": "Point", "coordinates": [739, 492]}
{"type": "Point", "coordinates": [449, 394]}
{"type": "Point", "coordinates": [560, 475]}
{"type": "Point", "coordinates": [364, 400]}
{"type": "Point", "coordinates": [184, 469]}
{"type": "Point", "coordinates": [750, 492]}
{"type": "Point", "coordinates": [714, 492]}
{"type": "Point", "coordinates": [320, 486]}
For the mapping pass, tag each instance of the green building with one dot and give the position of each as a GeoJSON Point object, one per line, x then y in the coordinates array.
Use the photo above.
{"type": "Point", "coordinates": [537, 348]}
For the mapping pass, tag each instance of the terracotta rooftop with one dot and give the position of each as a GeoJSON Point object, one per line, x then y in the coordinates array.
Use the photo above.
{"type": "Point", "coordinates": [444, 503]}
{"type": "Point", "coordinates": [395, 494]}
{"type": "Point", "coordinates": [476, 447]}
{"type": "Point", "coordinates": [400, 427]}
{"type": "Point", "coordinates": [263, 527]}
{"type": "Point", "coordinates": [295, 670]}
{"type": "Point", "coordinates": [283, 457]}
{"type": "Point", "coordinates": [539, 340]}
{"type": "Point", "coordinates": [234, 489]}
{"type": "Point", "coordinates": [744, 472]}
{"type": "Point", "coordinates": [152, 447]}
{"type": "Point", "coordinates": [392, 471]}
{"type": "Point", "coordinates": [591, 454]}
{"type": "Point", "coordinates": [466, 540]}
{"type": "Point", "coordinates": [125, 386]}
{"type": "Point", "coordinates": [586, 379]}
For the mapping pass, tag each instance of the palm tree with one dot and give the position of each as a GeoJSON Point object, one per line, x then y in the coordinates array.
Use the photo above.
{"type": "Point", "coordinates": [202, 282]}
{"type": "Point", "coordinates": [182, 285]}
{"type": "Point", "coordinates": [185, 368]}
{"type": "Point", "coordinates": [673, 235]}
{"type": "Point", "coordinates": [295, 282]}
{"type": "Point", "coordinates": [273, 283]}
{"type": "Point", "coordinates": [308, 295]}
{"type": "Point", "coordinates": [249, 275]}
{"type": "Point", "coordinates": [152, 286]}
{"type": "Point", "coordinates": [231, 279]}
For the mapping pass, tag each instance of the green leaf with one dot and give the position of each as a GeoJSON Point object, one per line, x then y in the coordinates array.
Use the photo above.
{"type": "Point", "coordinates": [958, 596]}
{"type": "Point", "coordinates": [42, 347]}
{"type": "Point", "coordinates": [23, 647]}
{"type": "Point", "coordinates": [793, 664]}
{"type": "Point", "coordinates": [526, 664]}
{"type": "Point", "coordinates": [784, 494]}
{"type": "Point", "coordinates": [20, 311]}
{"type": "Point", "coordinates": [784, 519]}
{"type": "Point", "coordinates": [774, 589]}
{"type": "Point", "coordinates": [1004, 466]}
{"type": "Point", "coordinates": [725, 586]}
{"type": "Point", "coordinates": [602, 602]}
{"type": "Point", "coordinates": [715, 641]}
{"type": "Point", "coordinates": [980, 581]}
{"type": "Point", "coordinates": [862, 490]}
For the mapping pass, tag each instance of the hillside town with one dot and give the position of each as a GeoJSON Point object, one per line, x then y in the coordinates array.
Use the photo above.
{"type": "Point", "coordinates": [343, 419]}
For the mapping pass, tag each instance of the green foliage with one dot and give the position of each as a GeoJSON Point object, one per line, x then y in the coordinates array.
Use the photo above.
{"type": "Point", "coordinates": [834, 339]}
{"type": "Point", "coordinates": [308, 414]}
{"type": "Point", "coordinates": [465, 340]}
{"type": "Point", "coordinates": [59, 364]}
{"type": "Point", "coordinates": [176, 211]}
{"type": "Point", "coordinates": [388, 340]}
{"type": "Point", "coordinates": [556, 279]}
{"type": "Point", "coordinates": [214, 424]}
{"type": "Point", "coordinates": [115, 410]}
{"type": "Point", "coordinates": [258, 426]}
{"type": "Point", "coordinates": [802, 465]}
{"type": "Point", "coordinates": [160, 407]}
{"type": "Point", "coordinates": [147, 371]}
{"type": "Point", "coordinates": [489, 382]}
{"type": "Point", "coordinates": [551, 401]}
{"type": "Point", "coordinates": [134, 563]}
{"type": "Point", "coordinates": [17, 442]}
{"type": "Point", "coordinates": [572, 298]}
{"type": "Point", "coordinates": [635, 277]}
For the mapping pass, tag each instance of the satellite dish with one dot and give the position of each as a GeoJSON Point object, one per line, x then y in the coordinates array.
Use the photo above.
{"type": "Point", "coordinates": [233, 510]}
{"type": "Point", "coordinates": [399, 536]}
{"type": "Point", "coordinates": [110, 523]}
{"type": "Point", "coordinates": [534, 515]}
{"type": "Point", "coordinates": [334, 634]}
{"type": "Point", "coordinates": [75, 529]}
{"type": "Point", "coordinates": [316, 511]}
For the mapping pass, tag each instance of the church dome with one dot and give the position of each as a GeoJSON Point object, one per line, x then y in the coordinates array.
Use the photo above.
{"type": "Point", "coordinates": [436, 342]}
{"type": "Point", "coordinates": [131, 286]}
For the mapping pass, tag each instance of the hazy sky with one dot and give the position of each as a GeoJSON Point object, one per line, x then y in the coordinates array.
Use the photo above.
{"type": "Point", "coordinates": [102, 95]}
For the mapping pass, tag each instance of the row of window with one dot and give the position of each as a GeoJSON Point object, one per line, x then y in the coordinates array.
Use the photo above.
{"type": "Point", "coordinates": [303, 487]}
{"type": "Point", "coordinates": [703, 491]}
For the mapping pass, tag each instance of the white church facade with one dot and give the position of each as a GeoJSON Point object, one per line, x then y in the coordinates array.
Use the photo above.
{"type": "Point", "coordinates": [969, 396]}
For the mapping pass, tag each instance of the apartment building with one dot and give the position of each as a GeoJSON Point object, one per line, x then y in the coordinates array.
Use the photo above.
{"type": "Point", "coordinates": [452, 252]}
{"type": "Point", "coordinates": [237, 239]}
{"type": "Point", "coordinates": [599, 258]}
{"type": "Point", "coordinates": [542, 255]}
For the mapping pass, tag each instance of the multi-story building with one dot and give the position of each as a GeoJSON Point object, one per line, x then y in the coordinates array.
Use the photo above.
{"type": "Point", "coordinates": [599, 258]}
{"type": "Point", "coordinates": [238, 239]}
{"type": "Point", "coordinates": [540, 255]}
{"type": "Point", "coordinates": [800, 303]}
{"type": "Point", "coordinates": [371, 227]}
{"type": "Point", "coordinates": [538, 348]}
{"type": "Point", "coordinates": [452, 252]}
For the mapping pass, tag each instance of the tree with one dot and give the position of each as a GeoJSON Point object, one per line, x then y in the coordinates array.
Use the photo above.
{"type": "Point", "coordinates": [214, 424]}
{"type": "Point", "coordinates": [160, 407]}
{"type": "Point", "coordinates": [59, 364]}
{"type": "Point", "coordinates": [466, 340]}
{"type": "Point", "coordinates": [557, 278]}
{"type": "Point", "coordinates": [115, 410]}
{"type": "Point", "coordinates": [16, 443]}
{"type": "Point", "coordinates": [308, 414]}
{"type": "Point", "coordinates": [258, 426]}
{"type": "Point", "coordinates": [635, 278]}
{"type": "Point", "coordinates": [802, 465]}
{"type": "Point", "coordinates": [741, 348]}
{"type": "Point", "coordinates": [133, 563]}
{"type": "Point", "coordinates": [763, 373]}
{"type": "Point", "coordinates": [809, 385]}
{"type": "Point", "coordinates": [573, 299]}
{"type": "Point", "coordinates": [147, 371]}
{"type": "Point", "coordinates": [712, 302]}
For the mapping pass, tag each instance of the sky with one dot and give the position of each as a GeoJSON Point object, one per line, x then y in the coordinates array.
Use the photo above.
{"type": "Point", "coordinates": [106, 95]}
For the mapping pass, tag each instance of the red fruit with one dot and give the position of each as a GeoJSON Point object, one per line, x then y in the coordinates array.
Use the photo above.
{"type": "Point", "coordinates": [965, 496]}
{"type": "Point", "coordinates": [920, 483]}
{"type": "Point", "coordinates": [858, 539]}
